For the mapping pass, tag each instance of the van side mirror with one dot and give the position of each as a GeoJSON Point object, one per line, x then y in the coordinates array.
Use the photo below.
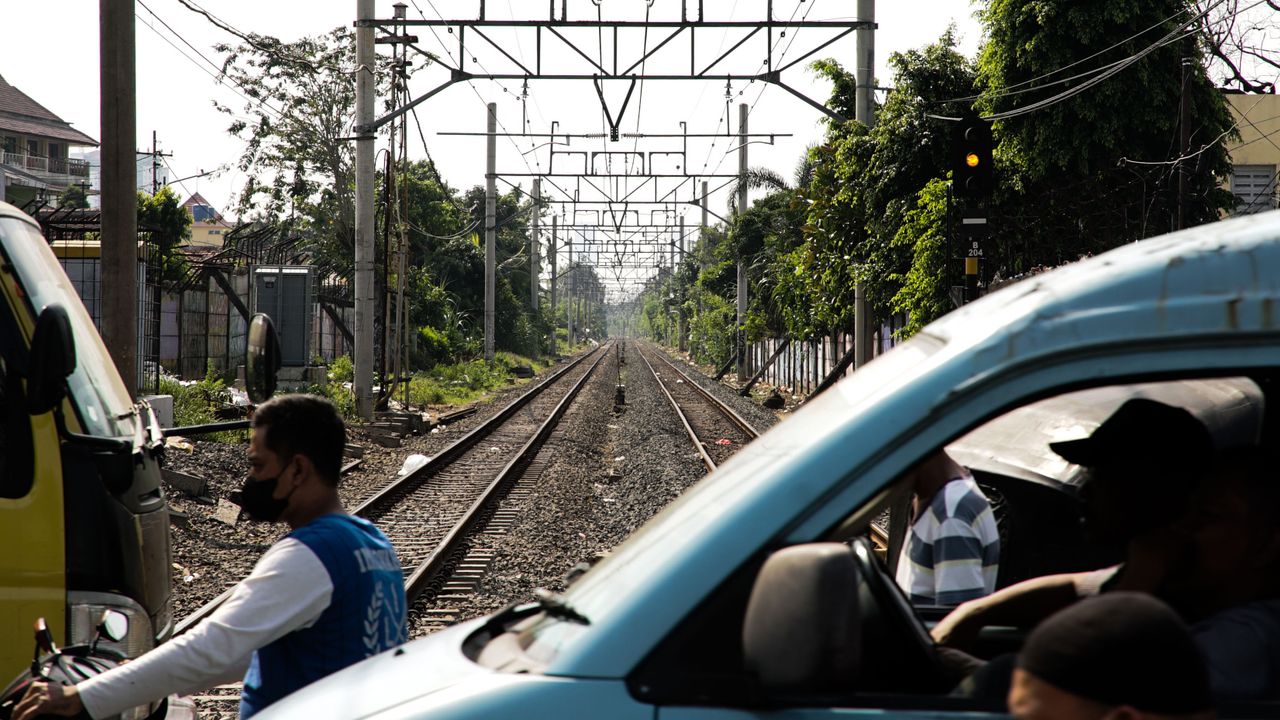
{"type": "Point", "coordinates": [802, 632]}
{"type": "Point", "coordinates": [51, 360]}
{"type": "Point", "coordinates": [262, 359]}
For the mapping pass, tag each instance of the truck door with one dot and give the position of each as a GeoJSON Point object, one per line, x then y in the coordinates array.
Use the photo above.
{"type": "Point", "coordinates": [32, 566]}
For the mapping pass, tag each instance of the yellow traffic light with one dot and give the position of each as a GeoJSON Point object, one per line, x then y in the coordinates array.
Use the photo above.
{"type": "Point", "coordinates": [971, 159]}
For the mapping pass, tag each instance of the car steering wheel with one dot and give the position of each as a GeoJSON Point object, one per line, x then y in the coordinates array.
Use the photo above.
{"type": "Point", "coordinates": [918, 653]}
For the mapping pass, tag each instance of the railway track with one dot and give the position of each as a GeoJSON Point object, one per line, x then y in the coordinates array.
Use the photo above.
{"type": "Point", "coordinates": [714, 428]}
{"type": "Point", "coordinates": [429, 513]}
{"type": "Point", "coordinates": [707, 420]}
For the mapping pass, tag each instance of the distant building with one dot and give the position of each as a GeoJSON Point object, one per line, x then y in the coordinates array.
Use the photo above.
{"type": "Point", "coordinates": [146, 165]}
{"type": "Point", "coordinates": [35, 146]}
{"type": "Point", "coordinates": [1257, 154]}
{"type": "Point", "coordinates": [207, 226]}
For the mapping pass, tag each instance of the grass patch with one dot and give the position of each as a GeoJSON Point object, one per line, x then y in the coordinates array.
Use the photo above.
{"type": "Point", "coordinates": [462, 383]}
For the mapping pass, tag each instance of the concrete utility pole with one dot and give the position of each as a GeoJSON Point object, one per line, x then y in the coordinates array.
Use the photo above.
{"type": "Point", "coordinates": [702, 251]}
{"type": "Point", "coordinates": [573, 276]}
{"type": "Point", "coordinates": [490, 228]}
{"type": "Point", "coordinates": [740, 343]}
{"type": "Point", "coordinates": [118, 115]}
{"type": "Point", "coordinates": [364, 291]}
{"type": "Point", "coordinates": [534, 249]}
{"type": "Point", "coordinates": [555, 219]}
{"type": "Point", "coordinates": [865, 113]}
{"type": "Point", "coordinates": [672, 252]}
{"type": "Point", "coordinates": [683, 324]}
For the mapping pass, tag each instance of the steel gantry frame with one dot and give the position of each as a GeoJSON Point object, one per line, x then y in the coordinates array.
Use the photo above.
{"type": "Point", "coordinates": [553, 29]}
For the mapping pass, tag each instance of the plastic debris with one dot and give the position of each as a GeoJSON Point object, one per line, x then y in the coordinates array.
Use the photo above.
{"type": "Point", "coordinates": [412, 463]}
{"type": "Point", "coordinates": [724, 441]}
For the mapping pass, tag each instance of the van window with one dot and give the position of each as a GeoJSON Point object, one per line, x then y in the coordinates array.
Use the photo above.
{"type": "Point", "coordinates": [17, 461]}
{"type": "Point", "coordinates": [100, 398]}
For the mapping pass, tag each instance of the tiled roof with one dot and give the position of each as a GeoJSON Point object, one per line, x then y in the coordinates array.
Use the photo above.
{"type": "Point", "coordinates": [19, 113]}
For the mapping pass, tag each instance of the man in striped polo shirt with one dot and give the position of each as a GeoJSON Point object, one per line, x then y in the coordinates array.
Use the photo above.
{"type": "Point", "coordinates": [952, 551]}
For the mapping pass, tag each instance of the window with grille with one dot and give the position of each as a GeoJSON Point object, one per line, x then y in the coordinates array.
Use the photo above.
{"type": "Point", "coordinates": [1255, 187]}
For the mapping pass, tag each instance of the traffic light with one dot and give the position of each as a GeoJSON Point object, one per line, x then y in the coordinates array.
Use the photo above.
{"type": "Point", "coordinates": [971, 166]}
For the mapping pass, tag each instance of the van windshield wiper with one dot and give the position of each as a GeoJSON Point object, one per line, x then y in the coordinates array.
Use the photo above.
{"type": "Point", "coordinates": [556, 606]}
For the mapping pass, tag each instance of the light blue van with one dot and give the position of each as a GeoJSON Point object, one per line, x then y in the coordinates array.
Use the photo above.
{"type": "Point", "coordinates": [655, 631]}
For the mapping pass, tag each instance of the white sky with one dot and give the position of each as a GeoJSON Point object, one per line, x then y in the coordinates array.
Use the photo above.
{"type": "Point", "coordinates": [50, 52]}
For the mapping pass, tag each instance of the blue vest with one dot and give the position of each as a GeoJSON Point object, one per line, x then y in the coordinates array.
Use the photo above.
{"type": "Point", "coordinates": [366, 613]}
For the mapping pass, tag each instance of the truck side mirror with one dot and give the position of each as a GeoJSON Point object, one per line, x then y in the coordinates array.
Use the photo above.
{"type": "Point", "coordinates": [52, 359]}
{"type": "Point", "coordinates": [803, 630]}
{"type": "Point", "coordinates": [262, 359]}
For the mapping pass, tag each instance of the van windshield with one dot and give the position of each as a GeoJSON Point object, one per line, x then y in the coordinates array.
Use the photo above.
{"type": "Point", "coordinates": [99, 396]}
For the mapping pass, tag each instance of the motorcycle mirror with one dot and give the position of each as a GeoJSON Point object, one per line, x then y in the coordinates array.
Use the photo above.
{"type": "Point", "coordinates": [262, 359]}
{"type": "Point", "coordinates": [114, 625]}
{"type": "Point", "coordinates": [44, 638]}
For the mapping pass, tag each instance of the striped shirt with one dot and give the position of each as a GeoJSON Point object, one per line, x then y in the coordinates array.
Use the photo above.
{"type": "Point", "coordinates": [953, 550]}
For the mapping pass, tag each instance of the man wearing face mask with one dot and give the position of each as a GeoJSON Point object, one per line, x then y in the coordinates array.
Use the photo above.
{"type": "Point", "coordinates": [328, 594]}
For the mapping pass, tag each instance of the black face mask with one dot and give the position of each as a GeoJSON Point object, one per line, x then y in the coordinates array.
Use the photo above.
{"type": "Point", "coordinates": [256, 499]}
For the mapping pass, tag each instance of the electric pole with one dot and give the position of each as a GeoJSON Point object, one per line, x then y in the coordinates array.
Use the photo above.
{"type": "Point", "coordinates": [119, 249]}
{"type": "Point", "coordinates": [534, 248]}
{"type": "Point", "coordinates": [490, 229]}
{"type": "Point", "coordinates": [683, 324]}
{"type": "Point", "coordinates": [155, 164]}
{"type": "Point", "coordinates": [864, 108]}
{"type": "Point", "coordinates": [741, 335]}
{"type": "Point", "coordinates": [364, 261]}
{"type": "Point", "coordinates": [552, 251]}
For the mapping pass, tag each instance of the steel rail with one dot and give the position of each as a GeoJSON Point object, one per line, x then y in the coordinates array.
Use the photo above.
{"type": "Point", "coordinates": [716, 403]}
{"type": "Point", "coordinates": [441, 460]}
{"type": "Point", "coordinates": [422, 577]}
{"type": "Point", "coordinates": [741, 422]}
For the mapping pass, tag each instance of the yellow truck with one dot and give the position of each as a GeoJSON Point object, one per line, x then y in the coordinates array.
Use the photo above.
{"type": "Point", "coordinates": [84, 523]}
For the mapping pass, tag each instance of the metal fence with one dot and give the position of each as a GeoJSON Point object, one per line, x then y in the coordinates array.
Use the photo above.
{"type": "Point", "coordinates": [803, 364]}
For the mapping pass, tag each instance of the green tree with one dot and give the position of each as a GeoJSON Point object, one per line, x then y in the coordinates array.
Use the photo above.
{"type": "Point", "coordinates": [1100, 167]}
{"type": "Point", "coordinates": [73, 197]}
{"type": "Point", "coordinates": [295, 125]}
{"type": "Point", "coordinates": [923, 296]}
{"type": "Point", "coordinates": [866, 182]}
{"type": "Point", "coordinates": [168, 226]}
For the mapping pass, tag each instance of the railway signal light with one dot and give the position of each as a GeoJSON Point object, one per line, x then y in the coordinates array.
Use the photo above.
{"type": "Point", "coordinates": [971, 163]}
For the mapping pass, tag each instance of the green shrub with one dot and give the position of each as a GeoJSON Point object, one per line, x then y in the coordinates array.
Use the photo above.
{"type": "Point", "coordinates": [342, 370]}
{"type": "Point", "coordinates": [194, 404]}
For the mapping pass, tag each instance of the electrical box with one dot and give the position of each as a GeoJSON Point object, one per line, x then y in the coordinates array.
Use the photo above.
{"type": "Point", "coordinates": [285, 293]}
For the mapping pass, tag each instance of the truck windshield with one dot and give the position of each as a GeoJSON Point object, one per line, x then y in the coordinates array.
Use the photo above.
{"type": "Point", "coordinates": [100, 398]}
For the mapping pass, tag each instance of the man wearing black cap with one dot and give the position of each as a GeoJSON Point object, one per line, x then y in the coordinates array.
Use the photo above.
{"type": "Point", "coordinates": [1118, 656]}
{"type": "Point", "coordinates": [1143, 463]}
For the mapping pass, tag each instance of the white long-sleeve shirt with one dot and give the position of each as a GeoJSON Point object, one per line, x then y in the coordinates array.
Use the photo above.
{"type": "Point", "coordinates": [288, 590]}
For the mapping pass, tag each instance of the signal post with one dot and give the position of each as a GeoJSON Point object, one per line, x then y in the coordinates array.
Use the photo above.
{"type": "Point", "coordinates": [972, 181]}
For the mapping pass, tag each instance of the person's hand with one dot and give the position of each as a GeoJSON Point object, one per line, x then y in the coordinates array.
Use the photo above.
{"type": "Point", "coordinates": [957, 664]}
{"type": "Point", "coordinates": [48, 699]}
{"type": "Point", "coordinates": [959, 628]}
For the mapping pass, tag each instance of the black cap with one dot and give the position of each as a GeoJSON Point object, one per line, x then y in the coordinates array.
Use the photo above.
{"type": "Point", "coordinates": [1121, 648]}
{"type": "Point", "coordinates": [1144, 430]}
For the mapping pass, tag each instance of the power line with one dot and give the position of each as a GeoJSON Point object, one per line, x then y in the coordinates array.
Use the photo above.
{"type": "Point", "coordinates": [263, 43]}
{"type": "Point", "coordinates": [219, 77]}
{"type": "Point", "coordinates": [1068, 66]}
